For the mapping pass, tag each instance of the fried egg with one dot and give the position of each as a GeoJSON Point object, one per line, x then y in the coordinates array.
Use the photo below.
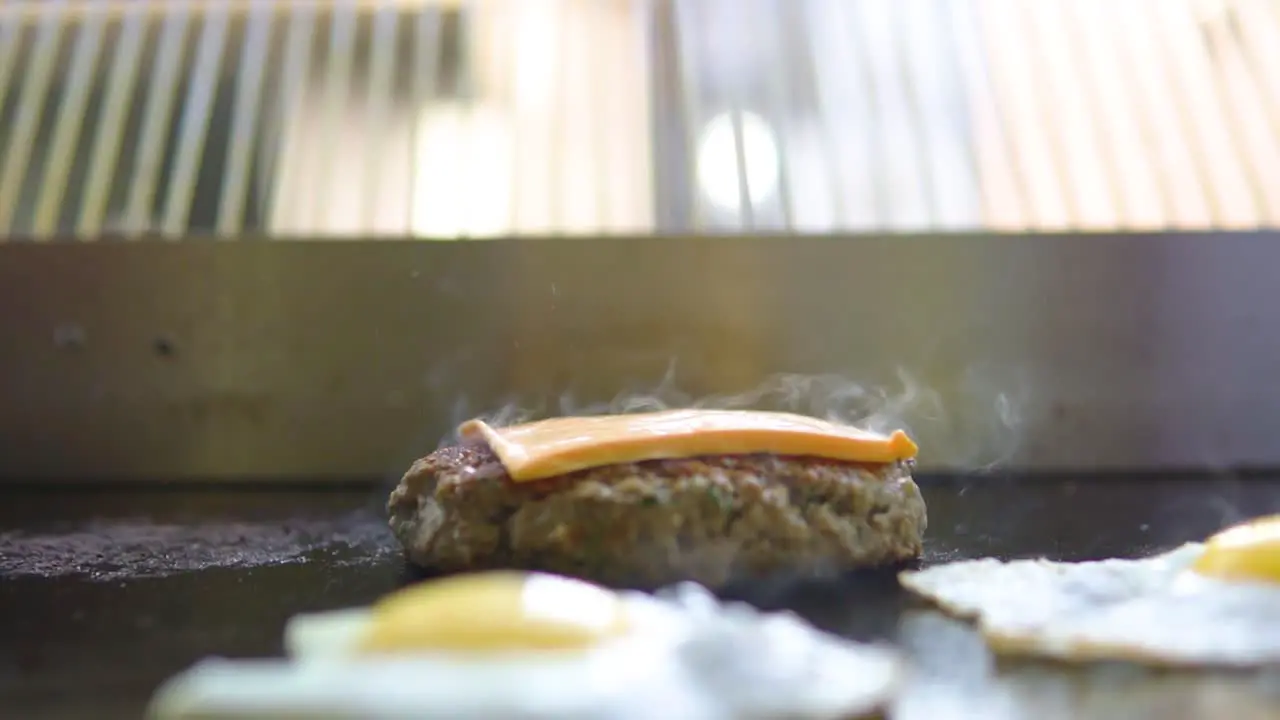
{"type": "Point", "coordinates": [1215, 603]}
{"type": "Point", "coordinates": [529, 645]}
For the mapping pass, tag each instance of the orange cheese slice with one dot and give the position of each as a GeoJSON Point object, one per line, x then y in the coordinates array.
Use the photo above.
{"type": "Point", "coordinates": [562, 445]}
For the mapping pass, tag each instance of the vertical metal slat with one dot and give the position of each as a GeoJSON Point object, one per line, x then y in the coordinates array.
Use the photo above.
{"type": "Point", "coordinates": [998, 182]}
{"type": "Point", "coordinates": [746, 203]}
{"type": "Point", "coordinates": [1141, 204]}
{"type": "Point", "coordinates": [485, 128]}
{"type": "Point", "coordinates": [10, 39]}
{"type": "Point", "coordinates": [607, 172]}
{"type": "Point", "coordinates": [690, 102]}
{"type": "Point", "coordinates": [1017, 89]}
{"type": "Point", "coordinates": [845, 115]}
{"type": "Point", "coordinates": [109, 135]}
{"type": "Point", "coordinates": [299, 48]}
{"type": "Point", "coordinates": [66, 134]}
{"type": "Point", "coordinates": [1245, 110]}
{"type": "Point", "coordinates": [531, 40]}
{"type": "Point", "coordinates": [194, 126]}
{"type": "Point", "coordinates": [1259, 24]}
{"type": "Point", "coordinates": [576, 145]}
{"type": "Point", "coordinates": [776, 212]}
{"type": "Point", "coordinates": [337, 93]}
{"type": "Point", "coordinates": [635, 190]}
{"type": "Point", "coordinates": [1177, 169]}
{"type": "Point", "coordinates": [31, 102]}
{"type": "Point", "coordinates": [1200, 102]}
{"type": "Point", "coordinates": [382, 50]}
{"type": "Point", "coordinates": [814, 184]}
{"type": "Point", "coordinates": [245, 119]}
{"type": "Point", "coordinates": [935, 87]}
{"type": "Point", "coordinates": [442, 203]}
{"type": "Point", "coordinates": [1080, 154]}
{"type": "Point", "coordinates": [426, 72]}
{"type": "Point", "coordinates": [162, 90]}
{"type": "Point", "coordinates": [897, 133]}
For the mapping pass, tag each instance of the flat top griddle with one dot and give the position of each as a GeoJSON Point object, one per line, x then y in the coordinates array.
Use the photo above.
{"type": "Point", "coordinates": [106, 593]}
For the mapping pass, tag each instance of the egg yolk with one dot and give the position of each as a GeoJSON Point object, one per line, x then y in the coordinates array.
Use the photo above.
{"type": "Point", "coordinates": [1248, 552]}
{"type": "Point", "coordinates": [495, 611]}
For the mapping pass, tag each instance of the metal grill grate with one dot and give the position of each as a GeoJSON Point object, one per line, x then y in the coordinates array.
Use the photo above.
{"type": "Point", "coordinates": [474, 119]}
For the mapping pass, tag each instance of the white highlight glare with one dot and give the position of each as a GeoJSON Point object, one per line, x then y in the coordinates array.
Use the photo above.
{"type": "Point", "coordinates": [463, 174]}
{"type": "Point", "coordinates": [718, 160]}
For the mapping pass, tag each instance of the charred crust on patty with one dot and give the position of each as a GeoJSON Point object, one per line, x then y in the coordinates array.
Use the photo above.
{"type": "Point", "coordinates": [711, 519]}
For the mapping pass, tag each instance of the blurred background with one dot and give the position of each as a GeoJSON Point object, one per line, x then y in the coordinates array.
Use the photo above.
{"type": "Point", "coordinates": [1033, 233]}
{"type": "Point", "coordinates": [444, 119]}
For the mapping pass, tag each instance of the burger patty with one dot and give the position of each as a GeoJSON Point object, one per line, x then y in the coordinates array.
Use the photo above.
{"type": "Point", "coordinates": [708, 519]}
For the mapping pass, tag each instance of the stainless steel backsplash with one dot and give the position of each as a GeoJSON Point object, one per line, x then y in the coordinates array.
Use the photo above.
{"type": "Point", "coordinates": [240, 360]}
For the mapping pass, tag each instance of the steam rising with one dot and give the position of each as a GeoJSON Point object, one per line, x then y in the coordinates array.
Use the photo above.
{"type": "Point", "coordinates": [979, 432]}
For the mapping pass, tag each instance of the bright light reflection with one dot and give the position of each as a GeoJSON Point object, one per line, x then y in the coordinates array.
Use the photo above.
{"type": "Point", "coordinates": [537, 51]}
{"type": "Point", "coordinates": [718, 166]}
{"type": "Point", "coordinates": [463, 173]}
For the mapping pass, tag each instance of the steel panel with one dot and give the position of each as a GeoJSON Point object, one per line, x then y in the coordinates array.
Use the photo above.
{"type": "Point", "coordinates": [347, 359]}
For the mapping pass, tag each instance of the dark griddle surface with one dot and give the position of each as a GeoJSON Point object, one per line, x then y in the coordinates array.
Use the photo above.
{"type": "Point", "coordinates": [106, 593]}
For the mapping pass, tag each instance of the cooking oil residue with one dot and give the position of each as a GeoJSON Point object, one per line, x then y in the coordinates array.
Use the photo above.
{"type": "Point", "coordinates": [121, 548]}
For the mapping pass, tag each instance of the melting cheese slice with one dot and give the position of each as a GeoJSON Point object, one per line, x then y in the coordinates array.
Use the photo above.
{"type": "Point", "coordinates": [562, 445]}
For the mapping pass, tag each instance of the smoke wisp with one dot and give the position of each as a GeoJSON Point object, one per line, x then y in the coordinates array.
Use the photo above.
{"type": "Point", "coordinates": [975, 428]}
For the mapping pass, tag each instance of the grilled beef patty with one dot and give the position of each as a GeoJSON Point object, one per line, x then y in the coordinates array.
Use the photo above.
{"type": "Point", "coordinates": [707, 519]}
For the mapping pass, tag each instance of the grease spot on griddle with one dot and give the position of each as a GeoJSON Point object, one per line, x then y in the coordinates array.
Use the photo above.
{"type": "Point", "coordinates": [117, 549]}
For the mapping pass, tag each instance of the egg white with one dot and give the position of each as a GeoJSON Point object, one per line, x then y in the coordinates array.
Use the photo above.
{"type": "Point", "coordinates": [688, 655]}
{"type": "Point", "coordinates": [1153, 611]}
